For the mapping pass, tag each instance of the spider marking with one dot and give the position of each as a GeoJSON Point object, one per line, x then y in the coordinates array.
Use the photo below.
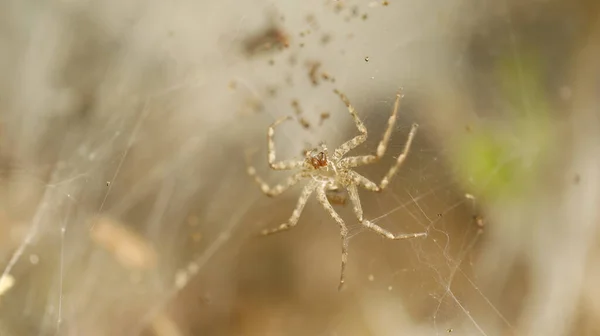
{"type": "Point", "coordinates": [326, 172]}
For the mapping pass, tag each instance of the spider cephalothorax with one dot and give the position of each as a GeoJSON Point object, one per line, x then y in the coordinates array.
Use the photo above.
{"type": "Point", "coordinates": [318, 160]}
{"type": "Point", "coordinates": [340, 176]}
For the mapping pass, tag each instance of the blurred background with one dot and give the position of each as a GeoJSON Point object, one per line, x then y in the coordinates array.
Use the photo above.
{"type": "Point", "coordinates": [125, 207]}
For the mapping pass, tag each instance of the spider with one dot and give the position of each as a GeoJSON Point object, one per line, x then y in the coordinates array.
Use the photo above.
{"type": "Point", "coordinates": [326, 172]}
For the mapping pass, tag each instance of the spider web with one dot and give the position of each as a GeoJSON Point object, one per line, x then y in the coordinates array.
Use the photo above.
{"type": "Point", "coordinates": [125, 207]}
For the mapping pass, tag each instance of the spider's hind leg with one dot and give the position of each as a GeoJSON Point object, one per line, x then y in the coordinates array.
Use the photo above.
{"type": "Point", "coordinates": [322, 197]}
{"type": "Point", "coordinates": [264, 186]}
{"type": "Point", "coordinates": [353, 192]}
{"type": "Point", "coordinates": [271, 154]}
{"type": "Point", "coordinates": [355, 161]}
{"type": "Point", "coordinates": [277, 189]}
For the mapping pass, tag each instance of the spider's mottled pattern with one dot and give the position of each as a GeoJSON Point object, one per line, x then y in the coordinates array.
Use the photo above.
{"type": "Point", "coordinates": [326, 172]}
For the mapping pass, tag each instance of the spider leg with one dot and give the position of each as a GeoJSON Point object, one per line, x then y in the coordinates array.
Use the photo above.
{"type": "Point", "coordinates": [394, 168]}
{"type": "Point", "coordinates": [353, 192]}
{"type": "Point", "coordinates": [277, 189]}
{"type": "Point", "coordinates": [355, 161]}
{"type": "Point", "coordinates": [281, 165]}
{"type": "Point", "coordinates": [293, 220]}
{"type": "Point", "coordinates": [364, 182]}
{"type": "Point", "coordinates": [387, 234]}
{"type": "Point", "coordinates": [357, 140]}
{"type": "Point", "coordinates": [383, 144]}
{"type": "Point", "coordinates": [322, 197]}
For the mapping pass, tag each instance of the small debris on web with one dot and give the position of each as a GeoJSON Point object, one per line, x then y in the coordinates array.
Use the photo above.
{"type": "Point", "coordinates": [313, 68]}
{"type": "Point", "coordinates": [251, 106]}
{"type": "Point", "coordinates": [272, 91]}
{"type": "Point", "coordinates": [268, 41]}
{"type": "Point", "coordinates": [183, 275]}
{"type": "Point", "coordinates": [305, 33]}
{"type": "Point", "coordinates": [296, 106]}
{"type": "Point", "coordinates": [479, 221]}
{"type": "Point", "coordinates": [324, 116]}
{"type": "Point", "coordinates": [327, 77]}
{"type": "Point", "coordinates": [34, 259]}
{"type": "Point", "coordinates": [304, 123]}
{"type": "Point", "coordinates": [312, 21]}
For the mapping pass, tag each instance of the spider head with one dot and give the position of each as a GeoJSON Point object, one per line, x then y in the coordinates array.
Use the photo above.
{"type": "Point", "coordinates": [317, 158]}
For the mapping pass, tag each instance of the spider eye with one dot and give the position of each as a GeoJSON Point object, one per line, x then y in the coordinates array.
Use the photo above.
{"type": "Point", "coordinates": [322, 158]}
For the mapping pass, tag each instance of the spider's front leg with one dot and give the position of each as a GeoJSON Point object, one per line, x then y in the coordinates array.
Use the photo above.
{"type": "Point", "coordinates": [278, 188]}
{"type": "Point", "coordinates": [355, 161]}
{"type": "Point", "coordinates": [357, 140]}
{"type": "Point", "coordinates": [264, 187]}
{"type": "Point", "coordinates": [293, 220]}
{"type": "Point", "coordinates": [281, 165]}
{"type": "Point", "coordinates": [322, 197]}
{"type": "Point", "coordinates": [394, 168]}
{"type": "Point", "coordinates": [353, 192]}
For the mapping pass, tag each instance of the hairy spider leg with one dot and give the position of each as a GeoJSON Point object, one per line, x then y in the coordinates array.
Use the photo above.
{"type": "Point", "coordinates": [322, 197]}
{"type": "Point", "coordinates": [353, 192]}
{"type": "Point", "coordinates": [281, 165]}
{"type": "Point", "coordinates": [363, 181]}
{"type": "Point", "coordinates": [355, 161]}
{"type": "Point", "coordinates": [385, 233]}
{"type": "Point", "coordinates": [277, 189]}
{"type": "Point", "coordinates": [357, 140]}
{"type": "Point", "coordinates": [293, 220]}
